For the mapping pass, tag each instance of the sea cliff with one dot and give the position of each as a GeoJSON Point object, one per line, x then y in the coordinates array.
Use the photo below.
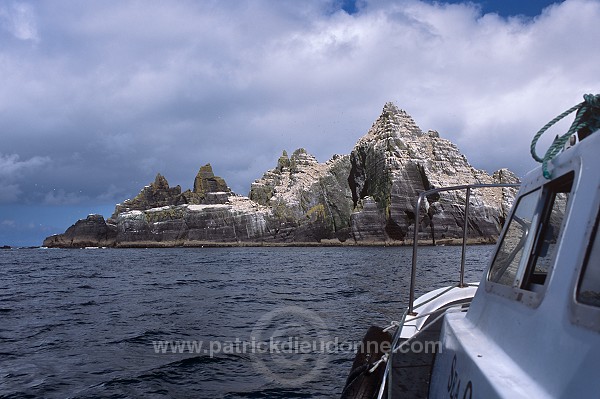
{"type": "Point", "coordinates": [364, 198]}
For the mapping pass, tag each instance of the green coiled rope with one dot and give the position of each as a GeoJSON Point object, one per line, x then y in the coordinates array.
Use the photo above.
{"type": "Point", "coordinates": [588, 116]}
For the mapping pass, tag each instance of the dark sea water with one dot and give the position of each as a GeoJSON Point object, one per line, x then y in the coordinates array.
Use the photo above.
{"type": "Point", "coordinates": [90, 323]}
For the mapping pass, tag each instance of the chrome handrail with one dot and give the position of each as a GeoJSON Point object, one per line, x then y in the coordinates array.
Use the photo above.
{"type": "Point", "coordinates": [467, 187]}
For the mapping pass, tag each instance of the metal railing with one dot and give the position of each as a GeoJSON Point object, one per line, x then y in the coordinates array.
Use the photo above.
{"type": "Point", "coordinates": [424, 194]}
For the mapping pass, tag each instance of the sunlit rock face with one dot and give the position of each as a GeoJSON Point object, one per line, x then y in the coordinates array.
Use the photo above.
{"type": "Point", "coordinates": [365, 197]}
{"type": "Point", "coordinates": [395, 161]}
{"type": "Point", "coordinates": [313, 197]}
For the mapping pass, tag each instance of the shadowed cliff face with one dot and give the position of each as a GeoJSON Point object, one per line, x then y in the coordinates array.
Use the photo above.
{"type": "Point", "coordinates": [90, 232]}
{"type": "Point", "coordinates": [367, 196]}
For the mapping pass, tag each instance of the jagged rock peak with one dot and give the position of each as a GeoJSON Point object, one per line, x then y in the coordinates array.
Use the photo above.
{"type": "Point", "coordinates": [393, 122]}
{"type": "Point", "coordinates": [160, 182]}
{"type": "Point", "coordinates": [283, 161]}
{"type": "Point", "coordinates": [156, 194]}
{"type": "Point", "coordinates": [301, 159]}
{"type": "Point", "coordinates": [207, 182]}
{"type": "Point", "coordinates": [294, 175]}
{"type": "Point", "coordinates": [505, 176]}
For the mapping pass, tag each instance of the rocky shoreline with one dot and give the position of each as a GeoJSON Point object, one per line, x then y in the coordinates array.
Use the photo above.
{"type": "Point", "coordinates": [364, 198]}
{"type": "Point", "coordinates": [322, 243]}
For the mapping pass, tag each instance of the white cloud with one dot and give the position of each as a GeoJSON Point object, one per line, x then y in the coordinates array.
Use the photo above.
{"type": "Point", "coordinates": [19, 19]}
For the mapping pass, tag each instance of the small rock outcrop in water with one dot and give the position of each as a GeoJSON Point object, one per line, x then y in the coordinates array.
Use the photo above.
{"type": "Point", "coordinates": [365, 197]}
{"type": "Point", "coordinates": [90, 232]}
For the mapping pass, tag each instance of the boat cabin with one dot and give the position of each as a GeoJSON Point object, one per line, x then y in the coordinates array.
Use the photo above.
{"type": "Point", "coordinates": [533, 327]}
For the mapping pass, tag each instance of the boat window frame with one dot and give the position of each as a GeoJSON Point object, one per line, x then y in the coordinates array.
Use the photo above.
{"type": "Point", "coordinates": [583, 314]}
{"type": "Point", "coordinates": [517, 291]}
{"type": "Point", "coordinates": [551, 190]}
{"type": "Point", "coordinates": [528, 237]}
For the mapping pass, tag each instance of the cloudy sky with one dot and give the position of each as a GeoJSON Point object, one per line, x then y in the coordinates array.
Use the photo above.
{"type": "Point", "coordinates": [99, 96]}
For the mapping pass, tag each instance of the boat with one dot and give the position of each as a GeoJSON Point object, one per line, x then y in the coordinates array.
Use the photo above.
{"type": "Point", "coordinates": [530, 328]}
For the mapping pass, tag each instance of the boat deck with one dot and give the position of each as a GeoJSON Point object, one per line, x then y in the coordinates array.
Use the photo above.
{"type": "Point", "coordinates": [411, 369]}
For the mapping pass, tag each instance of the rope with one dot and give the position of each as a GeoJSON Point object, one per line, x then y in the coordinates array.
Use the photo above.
{"type": "Point", "coordinates": [383, 359]}
{"type": "Point", "coordinates": [393, 325]}
{"type": "Point", "coordinates": [588, 116]}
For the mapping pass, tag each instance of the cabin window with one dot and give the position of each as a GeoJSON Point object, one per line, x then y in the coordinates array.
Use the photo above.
{"type": "Point", "coordinates": [529, 246]}
{"type": "Point", "coordinates": [588, 291]}
{"type": "Point", "coordinates": [558, 193]}
{"type": "Point", "coordinates": [506, 263]}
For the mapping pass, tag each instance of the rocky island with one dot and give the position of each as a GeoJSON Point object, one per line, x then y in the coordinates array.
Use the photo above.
{"type": "Point", "coordinates": [364, 198]}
